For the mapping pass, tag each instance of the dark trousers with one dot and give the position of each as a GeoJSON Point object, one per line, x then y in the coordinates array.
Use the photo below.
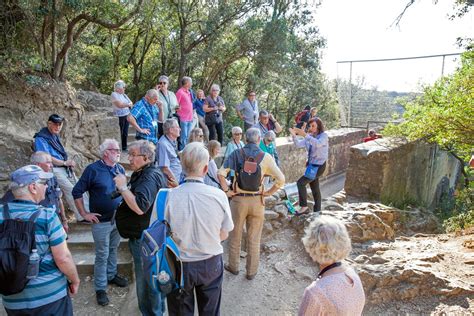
{"type": "Point", "coordinates": [123, 131]}
{"type": "Point", "coordinates": [205, 277]}
{"type": "Point", "coordinates": [61, 307]}
{"type": "Point", "coordinates": [219, 127]}
{"type": "Point", "coordinates": [247, 126]}
{"type": "Point", "coordinates": [314, 185]}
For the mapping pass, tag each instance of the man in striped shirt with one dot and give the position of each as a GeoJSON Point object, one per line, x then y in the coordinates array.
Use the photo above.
{"type": "Point", "coordinates": [47, 294]}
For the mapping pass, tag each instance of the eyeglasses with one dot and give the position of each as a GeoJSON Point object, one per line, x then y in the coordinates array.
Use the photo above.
{"type": "Point", "coordinates": [237, 134]}
{"type": "Point", "coordinates": [136, 155]}
{"type": "Point", "coordinates": [251, 95]}
{"type": "Point", "coordinates": [115, 150]}
{"type": "Point", "coordinates": [162, 82]}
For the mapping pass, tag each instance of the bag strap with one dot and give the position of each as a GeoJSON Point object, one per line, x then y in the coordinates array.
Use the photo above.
{"type": "Point", "coordinates": [35, 215]}
{"type": "Point", "coordinates": [161, 203]}
{"type": "Point", "coordinates": [6, 211]}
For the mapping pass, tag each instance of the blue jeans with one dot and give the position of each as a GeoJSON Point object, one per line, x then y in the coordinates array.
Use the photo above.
{"type": "Point", "coordinates": [185, 131]}
{"type": "Point", "coordinates": [106, 240]}
{"type": "Point", "coordinates": [149, 302]}
{"type": "Point", "coordinates": [205, 278]}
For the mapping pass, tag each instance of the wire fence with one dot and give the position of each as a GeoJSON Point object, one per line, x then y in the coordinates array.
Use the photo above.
{"type": "Point", "coordinates": [369, 90]}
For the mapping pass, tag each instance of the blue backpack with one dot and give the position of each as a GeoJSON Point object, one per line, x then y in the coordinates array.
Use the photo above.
{"type": "Point", "coordinates": [161, 262]}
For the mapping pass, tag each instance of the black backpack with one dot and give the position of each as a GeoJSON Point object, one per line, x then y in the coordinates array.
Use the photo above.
{"type": "Point", "coordinates": [17, 240]}
{"type": "Point", "coordinates": [249, 174]}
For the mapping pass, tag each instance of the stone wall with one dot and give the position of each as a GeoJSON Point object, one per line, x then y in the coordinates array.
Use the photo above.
{"type": "Point", "coordinates": [400, 172]}
{"type": "Point", "coordinates": [292, 159]}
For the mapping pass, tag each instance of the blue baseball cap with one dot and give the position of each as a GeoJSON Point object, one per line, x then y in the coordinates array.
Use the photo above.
{"type": "Point", "coordinates": [28, 174]}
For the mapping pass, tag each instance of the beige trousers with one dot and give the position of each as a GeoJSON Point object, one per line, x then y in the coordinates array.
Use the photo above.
{"type": "Point", "coordinates": [250, 210]}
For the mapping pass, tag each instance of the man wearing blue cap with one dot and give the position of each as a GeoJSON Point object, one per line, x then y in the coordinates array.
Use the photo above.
{"type": "Point", "coordinates": [48, 140]}
{"type": "Point", "coordinates": [47, 293]}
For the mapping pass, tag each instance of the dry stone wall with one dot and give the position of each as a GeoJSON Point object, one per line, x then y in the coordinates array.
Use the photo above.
{"type": "Point", "coordinates": [293, 160]}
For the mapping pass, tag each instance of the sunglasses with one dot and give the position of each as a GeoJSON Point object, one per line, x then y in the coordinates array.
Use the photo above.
{"type": "Point", "coordinates": [163, 82]}
{"type": "Point", "coordinates": [237, 134]}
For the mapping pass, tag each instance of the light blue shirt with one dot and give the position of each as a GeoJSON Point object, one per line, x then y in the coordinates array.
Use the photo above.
{"type": "Point", "coordinates": [318, 147]}
{"type": "Point", "coordinates": [167, 156]}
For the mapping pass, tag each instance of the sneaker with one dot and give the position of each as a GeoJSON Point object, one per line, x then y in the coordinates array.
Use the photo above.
{"type": "Point", "coordinates": [227, 267]}
{"type": "Point", "coordinates": [102, 298]}
{"type": "Point", "coordinates": [119, 281]}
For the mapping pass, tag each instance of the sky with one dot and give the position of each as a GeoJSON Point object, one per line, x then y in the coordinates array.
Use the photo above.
{"type": "Point", "coordinates": [362, 29]}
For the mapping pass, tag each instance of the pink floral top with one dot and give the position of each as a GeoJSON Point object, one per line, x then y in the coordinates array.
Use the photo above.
{"type": "Point", "coordinates": [336, 294]}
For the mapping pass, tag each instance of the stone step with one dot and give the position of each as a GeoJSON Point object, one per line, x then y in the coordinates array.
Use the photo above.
{"type": "Point", "coordinates": [84, 259]}
{"type": "Point", "coordinates": [82, 239]}
{"type": "Point", "coordinates": [124, 160]}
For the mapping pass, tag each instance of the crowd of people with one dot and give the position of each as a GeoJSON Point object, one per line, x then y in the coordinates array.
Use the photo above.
{"type": "Point", "coordinates": [178, 136]}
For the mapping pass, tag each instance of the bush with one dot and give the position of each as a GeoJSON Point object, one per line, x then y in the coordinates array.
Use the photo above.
{"type": "Point", "coordinates": [461, 217]}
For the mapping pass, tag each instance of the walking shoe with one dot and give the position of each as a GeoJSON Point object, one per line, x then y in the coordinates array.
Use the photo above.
{"type": "Point", "coordinates": [119, 281]}
{"type": "Point", "coordinates": [227, 267]}
{"type": "Point", "coordinates": [102, 298]}
{"type": "Point", "coordinates": [250, 277]}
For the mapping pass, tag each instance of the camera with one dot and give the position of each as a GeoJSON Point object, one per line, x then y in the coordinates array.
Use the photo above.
{"type": "Point", "coordinates": [114, 194]}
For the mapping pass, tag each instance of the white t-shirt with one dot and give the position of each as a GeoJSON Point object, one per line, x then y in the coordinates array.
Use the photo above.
{"type": "Point", "coordinates": [197, 213]}
{"type": "Point", "coordinates": [122, 97]}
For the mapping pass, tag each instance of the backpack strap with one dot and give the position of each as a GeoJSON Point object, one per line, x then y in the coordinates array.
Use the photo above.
{"type": "Point", "coordinates": [161, 203]}
{"type": "Point", "coordinates": [35, 215]}
{"type": "Point", "coordinates": [6, 211]}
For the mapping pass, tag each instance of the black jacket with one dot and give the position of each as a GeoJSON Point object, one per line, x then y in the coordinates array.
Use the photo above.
{"type": "Point", "coordinates": [145, 185]}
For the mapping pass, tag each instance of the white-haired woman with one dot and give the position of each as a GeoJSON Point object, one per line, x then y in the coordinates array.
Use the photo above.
{"type": "Point", "coordinates": [235, 142]}
{"type": "Point", "coordinates": [121, 105]}
{"type": "Point", "coordinates": [214, 106]}
{"type": "Point", "coordinates": [337, 289]}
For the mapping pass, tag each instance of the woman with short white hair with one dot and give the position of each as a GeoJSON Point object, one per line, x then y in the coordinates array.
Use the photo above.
{"type": "Point", "coordinates": [121, 105]}
{"type": "Point", "coordinates": [337, 289]}
{"type": "Point", "coordinates": [235, 142]}
{"type": "Point", "coordinates": [214, 107]}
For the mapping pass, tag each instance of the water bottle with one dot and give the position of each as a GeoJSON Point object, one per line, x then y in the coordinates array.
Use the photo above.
{"type": "Point", "coordinates": [33, 265]}
{"type": "Point", "coordinates": [164, 282]}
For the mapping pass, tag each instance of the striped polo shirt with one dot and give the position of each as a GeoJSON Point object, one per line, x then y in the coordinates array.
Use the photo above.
{"type": "Point", "coordinates": [51, 284]}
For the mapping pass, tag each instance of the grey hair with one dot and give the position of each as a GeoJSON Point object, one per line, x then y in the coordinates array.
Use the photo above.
{"type": "Point", "coordinates": [168, 124]}
{"type": "Point", "coordinates": [194, 157]}
{"type": "Point", "coordinates": [152, 93]}
{"type": "Point", "coordinates": [163, 77]}
{"type": "Point", "coordinates": [327, 240]}
{"type": "Point", "coordinates": [145, 148]}
{"type": "Point", "coordinates": [185, 79]}
{"type": "Point", "coordinates": [252, 135]}
{"type": "Point", "coordinates": [270, 135]}
{"type": "Point", "coordinates": [105, 145]}
{"type": "Point", "coordinates": [236, 129]}
{"type": "Point", "coordinates": [18, 191]}
{"type": "Point", "coordinates": [119, 84]}
{"type": "Point", "coordinates": [263, 112]}
{"type": "Point", "coordinates": [39, 157]}
{"type": "Point", "coordinates": [215, 87]}
{"type": "Point", "coordinates": [213, 144]}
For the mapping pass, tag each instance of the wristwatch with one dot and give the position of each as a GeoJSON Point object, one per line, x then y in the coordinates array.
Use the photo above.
{"type": "Point", "coordinates": [122, 189]}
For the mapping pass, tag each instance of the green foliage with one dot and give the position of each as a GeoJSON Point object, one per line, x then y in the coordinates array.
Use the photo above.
{"type": "Point", "coordinates": [460, 215]}
{"type": "Point", "coordinates": [444, 114]}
